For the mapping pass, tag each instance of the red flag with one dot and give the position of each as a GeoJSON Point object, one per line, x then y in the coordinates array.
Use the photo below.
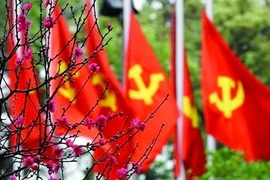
{"type": "Point", "coordinates": [236, 105]}
{"type": "Point", "coordinates": [146, 87]}
{"type": "Point", "coordinates": [27, 123]}
{"type": "Point", "coordinates": [193, 148]}
{"type": "Point", "coordinates": [23, 105]}
{"type": "Point", "coordinates": [113, 100]}
{"type": "Point", "coordinates": [193, 155]}
{"type": "Point", "coordinates": [73, 99]}
{"type": "Point", "coordinates": [79, 94]}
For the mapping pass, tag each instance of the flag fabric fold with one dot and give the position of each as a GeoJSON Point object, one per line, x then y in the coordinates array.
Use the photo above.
{"type": "Point", "coordinates": [146, 86]}
{"type": "Point", "coordinates": [236, 105]}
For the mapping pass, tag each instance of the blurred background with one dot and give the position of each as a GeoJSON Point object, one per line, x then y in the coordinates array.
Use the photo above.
{"type": "Point", "coordinates": [244, 24]}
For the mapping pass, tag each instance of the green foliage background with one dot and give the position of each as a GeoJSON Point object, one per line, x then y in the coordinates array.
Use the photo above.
{"type": "Point", "coordinates": [244, 24]}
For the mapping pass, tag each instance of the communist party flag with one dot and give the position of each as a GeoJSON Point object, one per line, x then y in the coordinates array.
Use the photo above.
{"type": "Point", "coordinates": [27, 123]}
{"type": "Point", "coordinates": [236, 105]}
{"type": "Point", "coordinates": [80, 93]}
{"type": "Point", "coordinates": [192, 147]}
{"type": "Point", "coordinates": [113, 100]}
{"type": "Point", "coordinates": [70, 90]}
{"type": "Point", "coordinates": [146, 87]}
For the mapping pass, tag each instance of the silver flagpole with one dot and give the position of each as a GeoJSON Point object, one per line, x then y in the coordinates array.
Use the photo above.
{"type": "Point", "coordinates": [211, 143]}
{"type": "Point", "coordinates": [209, 9]}
{"type": "Point", "coordinates": [126, 24]}
{"type": "Point", "coordinates": [179, 54]}
{"type": "Point", "coordinates": [16, 12]}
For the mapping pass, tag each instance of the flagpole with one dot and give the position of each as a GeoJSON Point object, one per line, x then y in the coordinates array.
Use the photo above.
{"type": "Point", "coordinates": [211, 143]}
{"type": "Point", "coordinates": [179, 54]}
{"type": "Point", "coordinates": [126, 24]}
{"type": "Point", "coordinates": [96, 7]}
{"type": "Point", "coordinates": [126, 21]}
{"type": "Point", "coordinates": [209, 9]}
{"type": "Point", "coordinates": [16, 12]}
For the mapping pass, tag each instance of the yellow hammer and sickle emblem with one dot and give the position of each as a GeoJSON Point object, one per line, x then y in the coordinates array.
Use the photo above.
{"type": "Point", "coordinates": [67, 90]}
{"type": "Point", "coordinates": [144, 93]}
{"type": "Point", "coordinates": [190, 111]}
{"type": "Point", "coordinates": [109, 99]}
{"type": "Point", "coordinates": [227, 104]}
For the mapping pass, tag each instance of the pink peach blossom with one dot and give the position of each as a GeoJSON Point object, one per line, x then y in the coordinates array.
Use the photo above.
{"type": "Point", "coordinates": [27, 6]}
